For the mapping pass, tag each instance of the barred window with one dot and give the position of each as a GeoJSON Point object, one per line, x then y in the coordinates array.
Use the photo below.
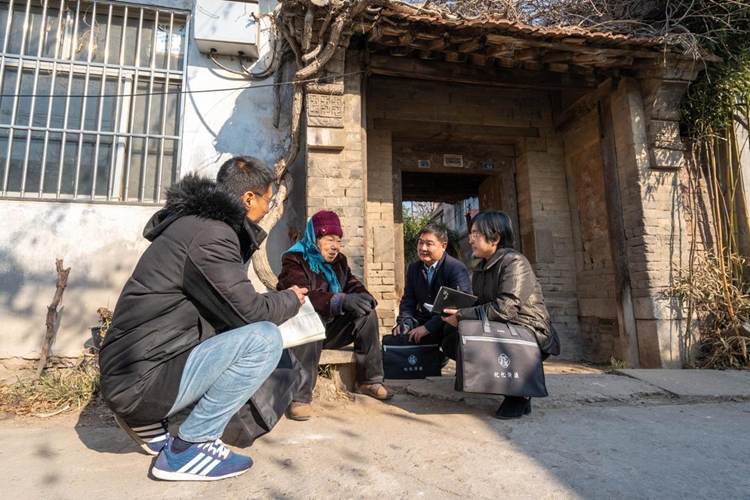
{"type": "Point", "coordinates": [90, 100]}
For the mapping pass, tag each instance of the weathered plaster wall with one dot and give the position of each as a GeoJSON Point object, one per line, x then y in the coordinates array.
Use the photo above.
{"type": "Point", "coordinates": [546, 232]}
{"type": "Point", "coordinates": [595, 275]}
{"type": "Point", "coordinates": [655, 227]}
{"type": "Point", "coordinates": [102, 243]}
{"type": "Point", "coordinates": [98, 242]}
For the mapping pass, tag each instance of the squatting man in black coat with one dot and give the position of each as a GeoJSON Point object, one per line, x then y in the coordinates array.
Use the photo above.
{"type": "Point", "coordinates": [189, 328]}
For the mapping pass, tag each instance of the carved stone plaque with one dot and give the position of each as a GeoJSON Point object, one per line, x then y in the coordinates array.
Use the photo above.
{"type": "Point", "coordinates": [325, 110]}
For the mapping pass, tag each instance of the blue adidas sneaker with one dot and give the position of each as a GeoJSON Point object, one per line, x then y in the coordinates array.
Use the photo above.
{"type": "Point", "coordinates": [209, 461]}
{"type": "Point", "coordinates": [151, 438]}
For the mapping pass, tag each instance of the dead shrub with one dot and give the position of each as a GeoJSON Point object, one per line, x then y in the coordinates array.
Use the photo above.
{"type": "Point", "coordinates": [56, 391]}
{"type": "Point", "coordinates": [717, 298]}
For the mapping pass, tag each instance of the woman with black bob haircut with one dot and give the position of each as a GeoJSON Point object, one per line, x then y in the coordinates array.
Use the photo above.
{"type": "Point", "coordinates": [508, 291]}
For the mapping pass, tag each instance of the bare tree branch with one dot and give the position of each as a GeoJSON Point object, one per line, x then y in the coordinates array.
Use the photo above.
{"type": "Point", "coordinates": [62, 282]}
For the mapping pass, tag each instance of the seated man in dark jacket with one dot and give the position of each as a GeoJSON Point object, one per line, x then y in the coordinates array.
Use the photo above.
{"type": "Point", "coordinates": [190, 328]}
{"type": "Point", "coordinates": [424, 278]}
{"type": "Point", "coordinates": [343, 302]}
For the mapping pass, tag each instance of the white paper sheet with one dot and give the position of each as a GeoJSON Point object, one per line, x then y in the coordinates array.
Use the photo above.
{"type": "Point", "coordinates": [303, 328]}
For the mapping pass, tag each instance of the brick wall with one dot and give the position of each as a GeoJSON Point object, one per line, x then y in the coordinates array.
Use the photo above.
{"type": "Point", "coordinates": [380, 260]}
{"type": "Point", "coordinates": [595, 274]}
{"type": "Point", "coordinates": [543, 205]}
{"type": "Point", "coordinates": [336, 166]}
{"type": "Point", "coordinates": [546, 233]}
{"type": "Point", "coordinates": [404, 99]}
{"type": "Point", "coordinates": [656, 233]}
{"type": "Point", "coordinates": [351, 170]}
{"type": "Point", "coordinates": [600, 339]}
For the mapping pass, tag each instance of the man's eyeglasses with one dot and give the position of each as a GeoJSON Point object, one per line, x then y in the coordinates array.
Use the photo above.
{"type": "Point", "coordinates": [474, 235]}
{"type": "Point", "coordinates": [271, 201]}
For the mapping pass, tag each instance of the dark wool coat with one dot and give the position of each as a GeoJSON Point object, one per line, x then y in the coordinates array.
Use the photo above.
{"type": "Point", "coordinates": [190, 284]}
{"type": "Point", "coordinates": [449, 272]}
{"type": "Point", "coordinates": [508, 291]}
{"type": "Point", "coordinates": [296, 271]}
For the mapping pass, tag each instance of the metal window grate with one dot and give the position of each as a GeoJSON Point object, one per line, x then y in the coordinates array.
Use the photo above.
{"type": "Point", "coordinates": [91, 102]}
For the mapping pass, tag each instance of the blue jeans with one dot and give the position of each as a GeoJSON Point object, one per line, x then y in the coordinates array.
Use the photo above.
{"type": "Point", "coordinates": [221, 374]}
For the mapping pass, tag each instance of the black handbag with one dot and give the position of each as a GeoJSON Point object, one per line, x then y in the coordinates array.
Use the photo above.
{"type": "Point", "coordinates": [498, 358]}
{"type": "Point", "coordinates": [402, 360]}
{"type": "Point", "coordinates": [264, 409]}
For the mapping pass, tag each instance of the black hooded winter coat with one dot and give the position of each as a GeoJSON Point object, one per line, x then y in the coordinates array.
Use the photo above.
{"type": "Point", "coordinates": [190, 284]}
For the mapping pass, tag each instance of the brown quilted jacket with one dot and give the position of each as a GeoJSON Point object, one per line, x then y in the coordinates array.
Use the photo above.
{"type": "Point", "coordinates": [296, 271]}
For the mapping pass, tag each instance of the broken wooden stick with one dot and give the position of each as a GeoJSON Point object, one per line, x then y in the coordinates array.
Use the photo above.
{"type": "Point", "coordinates": [62, 282]}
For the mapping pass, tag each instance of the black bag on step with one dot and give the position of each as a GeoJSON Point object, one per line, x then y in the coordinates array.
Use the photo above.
{"type": "Point", "coordinates": [498, 358]}
{"type": "Point", "coordinates": [402, 360]}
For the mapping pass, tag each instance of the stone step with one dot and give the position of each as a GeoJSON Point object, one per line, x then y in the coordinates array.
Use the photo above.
{"type": "Point", "coordinates": [340, 356]}
{"type": "Point", "coordinates": [344, 369]}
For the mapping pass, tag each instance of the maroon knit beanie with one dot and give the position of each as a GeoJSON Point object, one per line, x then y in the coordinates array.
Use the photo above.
{"type": "Point", "coordinates": [326, 222]}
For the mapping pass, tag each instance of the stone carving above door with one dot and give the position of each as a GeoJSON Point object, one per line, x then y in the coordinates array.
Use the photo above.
{"type": "Point", "coordinates": [325, 110]}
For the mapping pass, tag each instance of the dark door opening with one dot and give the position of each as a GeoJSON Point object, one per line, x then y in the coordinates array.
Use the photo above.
{"type": "Point", "coordinates": [440, 187]}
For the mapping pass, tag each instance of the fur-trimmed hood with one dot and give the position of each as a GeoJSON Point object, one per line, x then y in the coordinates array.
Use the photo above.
{"type": "Point", "coordinates": [202, 197]}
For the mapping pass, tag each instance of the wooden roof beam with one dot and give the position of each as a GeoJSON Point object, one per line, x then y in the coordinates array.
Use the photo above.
{"type": "Point", "coordinates": [405, 39]}
{"type": "Point", "coordinates": [420, 130]}
{"type": "Point", "coordinates": [470, 46]}
{"type": "Point", "coordinates": [438, 44]}
{"type": "Point", "coordinates": [493, 39]}
{"type": "Point", "coordinates": [480, 75]}
{"type": "Point", "coordinates": [556, 57]}
{"type": "Point", "coordinates": [502, 50]}
{"type": "Point", "coordinates": [525, 54]}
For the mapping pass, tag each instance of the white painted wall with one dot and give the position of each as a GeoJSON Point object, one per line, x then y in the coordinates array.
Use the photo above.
{"type": "Point", "coordinates": [102, 243]}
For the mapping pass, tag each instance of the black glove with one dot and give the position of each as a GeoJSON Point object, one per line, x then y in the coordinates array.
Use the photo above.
{"type": "Point", "coordinates": [357, 303]}
{"type": "Point", "coordinates": [372, 300]}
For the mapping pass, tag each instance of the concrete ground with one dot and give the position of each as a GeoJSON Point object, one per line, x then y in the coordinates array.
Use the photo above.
{"type": "Point", "coordinates": [635, 434]}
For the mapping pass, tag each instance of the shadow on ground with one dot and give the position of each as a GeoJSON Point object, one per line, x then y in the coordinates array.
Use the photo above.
{"type": "Point", "coordinates": [94, 429]}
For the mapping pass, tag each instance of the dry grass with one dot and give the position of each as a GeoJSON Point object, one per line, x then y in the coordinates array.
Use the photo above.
{"type": "Point", "coordinates": [724, 351]}
{"type": "Point", "coordinates": [326, 371]}
{"type": "Point", "coordinates": [56, 391]}
{"type": "Point", "coordinates": [717, 298]}
{"type": "Point", "coordinates": [616, 364]}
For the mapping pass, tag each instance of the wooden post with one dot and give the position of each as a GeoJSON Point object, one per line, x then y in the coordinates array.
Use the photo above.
{"type": "Point", "coordinates": [62, 282]}
{"type": "Point", "coordinates": [613, 200]}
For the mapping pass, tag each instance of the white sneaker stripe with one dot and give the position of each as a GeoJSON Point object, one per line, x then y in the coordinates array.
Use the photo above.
{"type": "Point", "coordinates": [146, 435]}
{"type": "Point", "coordinates": [149, 427]}
{"type": "Point", "coordinates": [191, 463]}
{"type": "Point", "coordinates": [158, 439]}
{"type": "Point", "coordinates": [199, 466]}
{"type": "Point", "coordinates": [210, 467]}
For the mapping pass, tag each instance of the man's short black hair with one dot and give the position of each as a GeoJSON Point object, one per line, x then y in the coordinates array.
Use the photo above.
{"type": "Point", "coordinates": [439, 230]}
{"type": "Point", "coordinates": [241, 174]}
{"type": "Point", "coordinates": [494, 223]}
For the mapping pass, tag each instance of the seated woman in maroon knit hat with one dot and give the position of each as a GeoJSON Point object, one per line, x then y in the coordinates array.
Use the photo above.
{"type": "Point", "coordinates": [343, 302]}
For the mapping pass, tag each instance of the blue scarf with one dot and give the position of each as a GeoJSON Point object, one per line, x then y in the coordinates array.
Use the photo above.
{"type": "Point", "coordinates": [309, 249]}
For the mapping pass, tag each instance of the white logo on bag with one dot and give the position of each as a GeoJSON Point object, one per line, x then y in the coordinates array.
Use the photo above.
{"type": "Point", "coordinates": [504, 360]}
{"type": "Point", "coordinates": [412, 360]}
